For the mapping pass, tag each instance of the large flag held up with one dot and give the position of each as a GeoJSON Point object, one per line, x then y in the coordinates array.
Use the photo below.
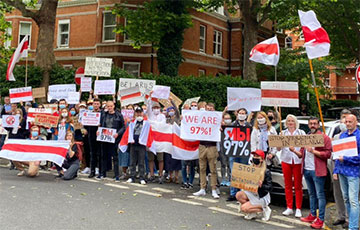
{"type": "Point", "coordinates": [266, 52]}
{"type": "Point", "coordinates": [35, 150]}
{"type": "Point", "coordinates": [317, 42]}
{"type": "Point", "coordinates": [20, 52]}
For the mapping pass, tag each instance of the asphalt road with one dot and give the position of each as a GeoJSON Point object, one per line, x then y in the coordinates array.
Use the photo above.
{"type": "Point", "coordinates": [48, 203]}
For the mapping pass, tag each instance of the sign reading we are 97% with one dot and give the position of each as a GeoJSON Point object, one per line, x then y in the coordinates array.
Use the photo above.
{"type": "Point", "coordinates": [235, 141]}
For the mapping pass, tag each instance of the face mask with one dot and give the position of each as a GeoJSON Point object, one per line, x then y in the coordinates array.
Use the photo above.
{"type": "Point", "coordinates": [241, 117]}
{"type": "Point", "coordinates": [144, 110]}
{"type": "Point", "coordinates": [105, 110]}
{"type": "Point", "coordinates": [72, 113]}
{"type": "Point", "coordinates": [313, 130]}
{"type": "Point", "coordinates": [139, 119]}
{"type": "Point", "coordinates": [227, 121]}
{"type": "Point", "coordinates": [256, 161]}
{"type": "Point", "coordinates": [194, 108]}
{"type": "Point", "coordinates": [171, 114]}
{"type": "Point", "coordinates": [261, 121]}
{"type": "Point", "coordinates": [62, 106]}
{"type": "Point", "coordinates": [90, 107]}
{"type": "Point", "coordinates": [64, 114]}
{"type": "Point", "coordinates": [34, 134]}
{"type": "Point", "coordinates": [343, 127]}
{"type": "Point", "coordinates": [270, 118]}
{"type": "Point", "coordinates": [156, 111]}
{"type": "Point", "coordinates": [202, 109]}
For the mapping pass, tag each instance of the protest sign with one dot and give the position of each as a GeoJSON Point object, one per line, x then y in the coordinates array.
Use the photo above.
{"type": "Point", "coordinates": [282, 94]}
{"type": "Point", "coordinates": [247, 177]}
{"type": "Point", "coordinates": [33, 111]}
{"type": "Point", "coordinates": [46, 120]}
{"type": "Point", "coordinates": [73, 98]}
{"type": "Point", "coordinates": [248, 98]}
{"type": "Point", "coordinates": [90, 118]}
{"type": "Point", "coordinates": [60, 91]}
{"type": "Point", "coordinates": [161, 92]}
{"type": "Point", "coordinates": [130, 96]}
{"type": "Point", "coordinates": [98, 66]}
{"type": "Point", "coordinates": [104, 87]}
{"type": "Point", "coordinates": [201, 125]}
{"type": "Point", "coordinates": [53, 107]}
{"type": "Point", "coordinates": [235, 141]}
{"type": "Point", "coordinates": [125, 83]}
{"type": "Point", "coordinates": [20, 94]}
{"type": "Point", "coordinates": [38, 92]}
{"type": "Point", "coordinates": [188, 101]}
{"type": "Point", "coordinates": [313, 140]}
{"type": "Point", "coordinates": [106, 135]}
{"type": "Point", "coordinates": [76, 123]}
{"type": "Point", "coordinates": [167, 103]}
{"type": "Point", "coordinates": [344, 147]}
{"type": "Point", "coordinates": [85, 84]}
{"type": "Point", "coordinates": [127, 113]}
{"type": "Point", "coordinates": [10, 121]}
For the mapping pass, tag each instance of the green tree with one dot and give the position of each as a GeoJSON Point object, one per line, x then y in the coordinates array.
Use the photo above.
{"type": "Point", "coordinates": [4, 36]}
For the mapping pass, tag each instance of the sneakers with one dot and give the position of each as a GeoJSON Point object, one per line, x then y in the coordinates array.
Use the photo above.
{"type": "Point", "coordinates": [223, 183]}
{"type": "Point", "coordinates": [21, 173]}
{"type": "Point", "coordinates": [130, 181]}
{"type": "Point", "coordinates": [191, 186]}
{"type": "Point", "coordinates": [288, 212]}
{"type": "Point", "coordinates": [250, 216]}
{"type": "Point", "coordinates": [184, 186]}
{"type": "Point", "coordinates": [123, 177]}
{"type": "Point", "coordinates": [318, 224]}
{"type": "Point", "coordinates": [117, 179]}
{"type": "Point", "coordinates": [91, 175]}
{"type": "Point", "coordinates": [143, 182]}
{"type": "Point", "coordinates": [266, 213]}
{"type": "Point", "coordinates": [215, 194]}
{"type": "Point", "coordinates": [201, 192]}
{"type": "Point", "coordinates": [99, 177]}
{"type": "Point", "coordinates": [97, 171]}
{"type": "Point", "coordinates": [228, 184]}
{"type": "Point", "coordinates": [86, 171]}
{"type": "Point", "coordinates": [161, 180]}
{"type": "Point", "coordinates": [217, 191]}
{"type": "Point", "coordinates": [309, 219]}
{"type": "Point", "coordinates": [298, 213]}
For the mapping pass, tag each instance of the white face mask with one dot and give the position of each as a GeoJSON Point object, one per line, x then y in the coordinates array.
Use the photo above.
{"type": "Point", "coordinates": [156, 111]}
{"type": "Point", "coordinates": [139, 119]}
{"type": "Point", "coordinates": [343, 127]}
{"type": "Point", "coordinates": [64, 114]}
{"type": "Point", "coordinates": [194, 108]}
{"type": "Point", "coordinates": [202, 109]}
{"type": "Point", "coordinates": [171, 114]}
{"type": "Point", "coordinates": [261, 121]}
{"type": "Point", "coordinates": [241, 117]}
{"type": "Point", "coordinates": [144, 110]}
{"type": "Point", "coordinates": [227, 121]}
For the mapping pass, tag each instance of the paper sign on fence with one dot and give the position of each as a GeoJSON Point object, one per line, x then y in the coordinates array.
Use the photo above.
{"type": "Point", "coordinates": [98, 66]}
{"type": "Point", "coordinates": [90, 118]}
{"type": "Point", "coordinates": [161, 92]}
{"type": "Point", "coordinates": [104, 87]}
{"type": "Point", "coordinates": [20, 94]}
{"type": "Point", "coordinates": [10, 121]}
{"type": "Point", "coordinates": [313, 140]}
{"type": "Point", "coordinates": [282, 94]}
{"type": "Point", "coordinates": [344, 147]}
{"type": "Point", "coordinates": [85, 84]}
{"type": "Point", "coordinates": [39, 92]}
{"type": "Point", "coordinates": [248, 98]}
{"type": "Point", "coordinates": [247, 177]}
{"type": "Point", "coordinates": [60, 91]}
{"type": "Point", "coordinates": [201, 125]}
{"type": "Point", "coordinates": [106, 135]}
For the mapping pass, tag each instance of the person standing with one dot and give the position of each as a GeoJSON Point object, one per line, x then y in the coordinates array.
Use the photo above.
{"type": "Point", "coordinates": [347, 170]}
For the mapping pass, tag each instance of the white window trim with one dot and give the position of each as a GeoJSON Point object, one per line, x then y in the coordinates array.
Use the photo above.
{"type": "Point", "coordinates": [125, 39]}
{"type": "Point", "coordinates": [201, 72]}
{"type": "Point", "coordinates": [132, 63]}
{"type": "Point", "coordinates": [65, 21]}
{"type": "Point", "coordinates": [25, 22]}
{"type": "Point", "coordinates": [68, 66]}
{"type": "Point", "coordinates": [103, 28]}
{"type": "Point", "coordinates": [203, 50]}
{"type": "Point", "coordinates": [7, 44]}
{"type": "Point", "coordinates": [218, 43]}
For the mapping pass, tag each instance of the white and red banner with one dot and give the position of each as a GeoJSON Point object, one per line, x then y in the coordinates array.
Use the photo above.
{"type": "Point", "coordinates": [20, 94]}
{"type": "Point", "coordinates": [344, 147]}
{"type": "Point", "coordinates": [282, 94]}
{"type": "Point", "coordinates": [317, 42]}
{"type": "Point", "coordinates": [35, 150]}
{"type": "Point", "coordinates": [20, 52]}
{"type": "Point", "coordinates": [201, 125]}
{"type": "Point", "coordinates": [130, 96]}
{"type": "Point", "coordinates": [248, 98]}
{"type": "Point", "coordinates": [266, 52]}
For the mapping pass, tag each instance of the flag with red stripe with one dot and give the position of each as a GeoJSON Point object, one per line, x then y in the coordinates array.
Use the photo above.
{"type": "Point", "coordinates": [283, 94]}
{"type": "Point", "coordinates": [35, 150]}
{"type": "Point", "coordinates": [131, 96]}
{"type": "Point", "coordinates": [20, 94]}
{"type": "Point", "coordinates": [20, 52]}
{"type": "Point", "coordinates": [344, 147]}
{"type": "Point", "coordinates": [266, 52]}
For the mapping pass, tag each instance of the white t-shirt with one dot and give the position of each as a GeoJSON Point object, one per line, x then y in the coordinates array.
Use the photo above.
{"type": "Point", "coordinates": [286, 155]}
{"type": "Point", "coordinates": [309, 161]}
{"type": "Point", "coordinates": [62, 130]}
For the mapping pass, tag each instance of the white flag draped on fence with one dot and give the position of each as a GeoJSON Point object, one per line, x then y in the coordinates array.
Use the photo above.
{"type": "Point", "coordinates": [20, 52]}
{"type": "Point", "coordinates": [35, 150]}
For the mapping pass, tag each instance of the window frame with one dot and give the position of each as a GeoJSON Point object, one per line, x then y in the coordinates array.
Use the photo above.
{"type": "Point", "coordinates": [7, 44]}
{"type": "Point", "coordinates": [104, 26]}
{"type": "Point", "coordinates": [61, 22]}
{"type": "Point", "coordinates": [286, 43]}
{"type": "Point", "coordinates": [216, 43]}
{"type": "Point", "coordinates": [202, 38]}
{"type": "Point", "coordinates": [201, 72]}
{"type": "Point", "coordinates": [30, 35]}
{"type": "Point", "coordinates": [132, 63]}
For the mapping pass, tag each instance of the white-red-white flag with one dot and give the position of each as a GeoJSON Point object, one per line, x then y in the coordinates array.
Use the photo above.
{"type": "Point", "coordinates": [266, 52]}
{"type": "Point", "coordinates": [20, 52]}
{"type": "Point", "coordinates": [317, 42]}
{"type": "Point", "coordinates": [130, 96]}
{"type": "Point", "coordinates": [35, 150]}
{"type": "Point", "coordinates": [280, 93]}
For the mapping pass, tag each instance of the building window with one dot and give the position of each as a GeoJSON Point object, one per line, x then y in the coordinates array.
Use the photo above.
{"type": "Point", "coordinates": [288, 42]}
{"type": "Point", "coordinates": [217, 43]}
{"type": "Point", "coordinates": [301, 36]}
{"type": "Point", "coordinates": [64, 33]}
{"type": "Point", "coordinates": [109, 24]}
{"type": "Point", "coordinates": [8, 32]}
{"type": "Point", "coordinates": [25, 29]}
{"type": "Point", "coordinates": [202, 72]}
{"type": "Point", "coordinates": [68, 66]}
{"type": "Point", "coordinates": [132, 68]}
{"type": "Point", "coordinates": [202, 38]}
{"type": "Point", "coordinates": [126, 36]}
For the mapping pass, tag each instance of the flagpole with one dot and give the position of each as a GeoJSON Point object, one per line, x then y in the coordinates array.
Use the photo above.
{"type": "Point", "coordinates": [26, 71]}
{"type": "Point", "coordinates": [317, 94]}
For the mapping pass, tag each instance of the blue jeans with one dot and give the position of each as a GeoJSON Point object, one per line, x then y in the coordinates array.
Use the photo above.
{"type": "Point", "coordinates": [233, 190]}
{"type": "Point", "coordinates": [350, 190]}
{"type": "Point", "coordinates": [316, 192]}
{"type": "Point", "coordinates": [184, 173]}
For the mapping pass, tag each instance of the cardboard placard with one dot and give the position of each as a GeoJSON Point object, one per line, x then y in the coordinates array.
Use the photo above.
{"type": "Point", "coordinates": [247, 177]}
{"type": "Point", "coordinates": [188, 101]}
{"type": "Point", "coordinates": [167, 103]}
{"type": "Point", "coordinates": [39, 92]}
{"type": "Point", "coordinates": [313, 140]}
{"type": "Point", "coordinates": [98, 66]}
{"type": "Point", "coordinates": [77, 125]}
{"type": "Point", "coordinates": [106, 135]}
{"type": "Point", "coordinates": [10, 121]}
{"type": "Point", "coordinates": [235, 141]}
{"type": "Point", "coordinates": [46, 120]}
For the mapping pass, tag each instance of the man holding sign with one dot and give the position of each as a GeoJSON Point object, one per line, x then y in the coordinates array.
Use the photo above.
{"type": "Point", "coordinates": [347, 170]}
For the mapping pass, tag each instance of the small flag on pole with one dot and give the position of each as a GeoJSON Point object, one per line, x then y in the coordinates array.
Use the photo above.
{"type": "Point", "coordinates": [20, 52]}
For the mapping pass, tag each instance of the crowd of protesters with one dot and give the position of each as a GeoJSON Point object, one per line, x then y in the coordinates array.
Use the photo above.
{"type": "Point", "coordinates": [86, 155]}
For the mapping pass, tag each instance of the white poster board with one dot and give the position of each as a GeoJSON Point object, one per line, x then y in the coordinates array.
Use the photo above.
{"type": "Point", "coordinates": [126, 83]}
{"type": "Point", "coordinates": [248, 98]}
{"type": "Point", "coordinates": [161, 92]}
{"type": "Point", "coordinates": [104, 87]}
{"type": "Point", "coordinates": [20, 94]}
{"type": "Point", "coordinates": [10, 121]}
{"type": "Point", "coordinates": [90, 118]}
{"type": "Point", "coordinates": [344, 147]}
{"type": "Point", "coordinates": [85, 84]}
{"type": "Point", "coordinates": [106, 135]}
{"type": "Point", "coordinates": [73, 98]}
{"type": "Point", "coordinates": [60, 91]}
{"type": "Point", "coordinates": [98, 66]}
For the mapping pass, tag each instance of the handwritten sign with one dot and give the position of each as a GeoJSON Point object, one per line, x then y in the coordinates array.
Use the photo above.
{"type": "Point", "coordinates": [20, 94]}
{"type": "Point", "coordinates": [98, 66]}
{"type": "Point", "coordinates": [46, 120]}
{"type": "Point", "coordinates": [73, 98]}
{"type": "Point", "coordinates": [85, 84]}
{"type": "Point", "coordinates": [188, 101]}
{"type": "Point", "coordinates": [247, 177]}
{"type": "Point", "coordinates": [39, 92]}
{"type": "Point", "coordinates": [344, 147]}
{"type": "Point", "coordinates": [60, 91]}
{"type": "Point", "coordinates": [277, 93]}
{"type": "Point", "coordinates": [32, 112]}
{"type": "Point", "coordinates": [104, 87]}
{"type": "Point", "coordinates": [201, 125]}
{"type": "Point", "coordinates": [53, 107]}
{"type": "Point", "coordinates": [235, 141]}
{"type": "Point", "coordinates": [167, 103]}
{"type": "Point", "coordinates": [248, 98]}
{"type": "Point", "coordinates": [126, 83]}
{"type": "Point", "coordinates": [127, 113]}
{"type": "Point", "coordinates": [314, 140]}
{"type": "Point", "coordinates": [90, 118]}
{"type": "Point", "coordinates": [10, 121]}
{"type": "Point", "coordinates": [106, 135]}
{"type": "Point", "coordinates": [161, 92]}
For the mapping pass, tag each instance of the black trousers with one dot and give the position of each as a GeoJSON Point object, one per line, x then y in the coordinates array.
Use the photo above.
{"type": "Point", "coordinates": [108, 151]}
{"type": "Point", "coordinates": [95, 153]}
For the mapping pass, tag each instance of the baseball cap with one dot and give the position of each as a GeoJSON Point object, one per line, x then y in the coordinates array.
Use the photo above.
{"type": "Point", "coordinates": [259, 153]}
{"type": "Point", "coordinates": [138, 110]}
{"type": "Point", "coordinates": [156, 104]}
